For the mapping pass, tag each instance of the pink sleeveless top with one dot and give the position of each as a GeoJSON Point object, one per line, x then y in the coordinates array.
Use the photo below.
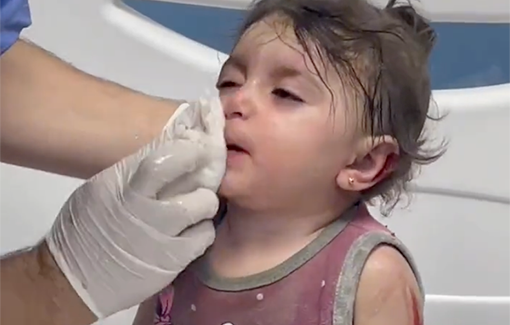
{"type": "Point", "coordinates": [316, 286]}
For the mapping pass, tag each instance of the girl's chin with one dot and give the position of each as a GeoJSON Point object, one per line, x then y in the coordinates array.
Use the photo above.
{"type": "Point", "coordinates": [229, 185]}
{"type": "Point", "coordinates": [236, 188]}
{"type": "Point", "coordinates": [225, 192]}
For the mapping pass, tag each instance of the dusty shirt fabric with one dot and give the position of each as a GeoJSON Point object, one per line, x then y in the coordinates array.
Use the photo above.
{"type": "Point", "coordinates": [316, 286]}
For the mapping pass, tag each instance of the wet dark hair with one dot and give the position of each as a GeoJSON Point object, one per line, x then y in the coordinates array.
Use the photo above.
{"type": "Point", "coordinates": [382, 54]}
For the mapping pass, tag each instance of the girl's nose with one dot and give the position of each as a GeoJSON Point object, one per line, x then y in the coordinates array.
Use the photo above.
{"type": "Point", "coordinates": [239, 103]}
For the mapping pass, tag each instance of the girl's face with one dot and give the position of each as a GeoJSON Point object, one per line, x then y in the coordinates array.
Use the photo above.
{"type": "Point", "coordinates": [290, 141]}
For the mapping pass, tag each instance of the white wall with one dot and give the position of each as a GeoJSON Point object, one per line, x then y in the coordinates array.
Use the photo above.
{"type": "Point", "coordinates": [458, 226]}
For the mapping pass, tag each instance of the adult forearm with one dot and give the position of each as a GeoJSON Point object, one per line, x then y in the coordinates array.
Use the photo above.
{"type": "Point", "coordinates": [34, 291]}
{"type": "Point", "coordinates": [58, 119]}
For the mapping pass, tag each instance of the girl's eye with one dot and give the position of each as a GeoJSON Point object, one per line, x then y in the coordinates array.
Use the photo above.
{"type": "Point", "coordinates": [284, 94]}
{"type": "Point", "coordinates": [226, 84]}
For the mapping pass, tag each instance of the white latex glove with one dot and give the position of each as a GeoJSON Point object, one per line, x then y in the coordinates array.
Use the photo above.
{"type": "Point", "coordinates": [125, 234]}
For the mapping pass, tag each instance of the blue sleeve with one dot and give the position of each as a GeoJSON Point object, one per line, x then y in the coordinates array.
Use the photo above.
{"type": "Point", "coordinates": [15, 16]}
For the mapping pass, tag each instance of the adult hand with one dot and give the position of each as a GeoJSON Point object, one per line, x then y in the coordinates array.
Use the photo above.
{"type": "Point", "coordinates": [129, 231]}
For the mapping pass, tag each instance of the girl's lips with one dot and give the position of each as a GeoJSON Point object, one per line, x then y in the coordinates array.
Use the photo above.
{"type": "Point", "coordinates": [237, 141]}
{"type": "Point", "coordinates": [235, 157]}
{"type": "Point", "coordinates": [236, 148]}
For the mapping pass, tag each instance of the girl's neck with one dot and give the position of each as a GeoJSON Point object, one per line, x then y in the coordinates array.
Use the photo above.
{"type": "Point", "coordinates": [249, 242]}
{"type": "Point", "coordinates": [247, 229]}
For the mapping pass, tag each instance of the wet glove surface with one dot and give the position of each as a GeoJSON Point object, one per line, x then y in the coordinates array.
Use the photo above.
{"type": "Point", "coordinates": [126, 233]}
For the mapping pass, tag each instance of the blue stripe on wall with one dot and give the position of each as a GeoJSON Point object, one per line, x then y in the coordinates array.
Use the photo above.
{"type": "Point", "coordinates": [466, 55]}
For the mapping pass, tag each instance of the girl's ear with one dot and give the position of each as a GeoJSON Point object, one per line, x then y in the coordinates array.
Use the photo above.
{"type": "Point", "coordinates": [377, 159]}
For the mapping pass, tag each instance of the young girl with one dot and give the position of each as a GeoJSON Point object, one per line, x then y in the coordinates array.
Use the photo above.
{"type": "Point", "coordinates": [325, 104]}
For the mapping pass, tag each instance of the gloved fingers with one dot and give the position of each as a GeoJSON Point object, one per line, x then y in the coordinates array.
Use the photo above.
{"type": "Point", "coordinates": [177, 252]}
{"type": "Point", "coordinates": [190, 209]}
{"type": "Point", "coordinates": [181, 120]}
{"type": "Point", "coordinates": [173, 216]}
{"type": "Point", "coordinates": [123, 219]}
{"type": "Point", "coordinates": [194, 135]}
{"type": "Point", "coordinates": [205, 116]}
{"type": "Point", "coordinates": [211, 115]}
{"type": "Point", "coordinates": [199, 238]}
{"type": "Point", "coordinates": [164, 165]}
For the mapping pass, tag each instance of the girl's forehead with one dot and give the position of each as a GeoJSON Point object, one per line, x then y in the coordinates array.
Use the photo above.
{"type": "Point", "coordinates": [271, 44]}
{"type": "Point", "coordinates": [268, 32]}
{"type": "Point", "coordinates": [274, 43]}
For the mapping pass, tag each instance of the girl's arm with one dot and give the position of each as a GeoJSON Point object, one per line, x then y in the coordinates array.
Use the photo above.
{"type": "Point", "coordinates": [388, 292]}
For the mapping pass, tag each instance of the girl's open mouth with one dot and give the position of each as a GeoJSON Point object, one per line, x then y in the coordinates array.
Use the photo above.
{"type": "Point", "coordinates": [235, 154]}
{"type": "Point", "coordinates": [235, 148]}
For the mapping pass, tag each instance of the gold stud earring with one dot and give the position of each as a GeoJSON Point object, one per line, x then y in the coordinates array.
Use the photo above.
{"type": "Point", "coordinates": [351, 180]}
